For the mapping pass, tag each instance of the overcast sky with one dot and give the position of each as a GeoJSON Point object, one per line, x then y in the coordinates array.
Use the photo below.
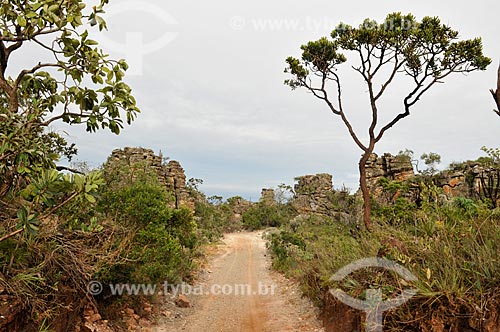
{"type": "Point", "coordinates": [212, 95]}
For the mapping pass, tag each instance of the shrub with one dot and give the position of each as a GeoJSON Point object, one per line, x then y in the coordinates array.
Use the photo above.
{"type": "Point", "coordinates": [135, 198]}
{"type": "Point", "coordinates": [261, 215]}
{"type": "Point", "coordinates": [159, 256]}
{"type": "Point", "coordinates": [160, 240]}
{"type": "Point", "coordinates": [183, 227]}
{"type": "Point", "coordinates": [213, 220]}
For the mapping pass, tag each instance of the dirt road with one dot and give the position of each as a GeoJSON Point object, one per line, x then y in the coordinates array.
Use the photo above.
{"type": "Point", "coordinates": [242, 294]}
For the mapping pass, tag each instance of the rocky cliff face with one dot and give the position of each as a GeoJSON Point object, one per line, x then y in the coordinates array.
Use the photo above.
{"type": "Point", "coordinates": [314, 193]}
{"type": "Point", "coordinates": [172, 175]}
{"type": "Point", "coordinates": [470, 180]}
{"type": "Point", "coordinates": [453, 183]}
{"type": "Point", "coordinates": [139, 157]}
{"type": "Point", "coordinates": [176, 183]}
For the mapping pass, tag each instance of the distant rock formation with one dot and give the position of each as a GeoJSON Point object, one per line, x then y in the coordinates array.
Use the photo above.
{"type": "Point", "coordinates": [267, 197]}
{"type": "Point", "coordinates": [453, 183]}
{"type": "Point", "coordinates": [171, 175]}
{"type": "Point", "coordinates": [313, 194]}
{"type": "Point", "coordinates": [471, 181]}
{"type": "Point", "coordinates": [176, 183]}
{"type": "Point", "coordinates": [238, 206]}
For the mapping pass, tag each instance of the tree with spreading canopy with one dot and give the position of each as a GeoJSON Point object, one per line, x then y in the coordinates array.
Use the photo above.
{"type": "Point", "coordinates": [426, 52]}
{"type": "Point", "coordinates": [75, 83]}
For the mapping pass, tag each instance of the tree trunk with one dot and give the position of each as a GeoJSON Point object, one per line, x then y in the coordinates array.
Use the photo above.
{"type": "Point", "coordinates": [365, 190]}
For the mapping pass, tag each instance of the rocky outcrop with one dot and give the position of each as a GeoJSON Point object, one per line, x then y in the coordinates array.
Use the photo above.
{"type": "Point", "coordinates": [313, 194]}
{"type": "Point", "coordinates": [396, 168]}
{"type": "Point", "coordinates": [469, 179]}
{"type": "Point", "coordinates": [170, 175]}
{"type": "Point", "coordinates": [139, 157]}
{"type": "Point", "coordinates": [176, 183]}
{"type": "Point", "coordinates": [473, 180]}
{"type": "Point", "coordinates": [267, 197]}
{"type": "Point", "coordinates": [453, 183]}
{"type": "Point", "coordinates": [238, 206]}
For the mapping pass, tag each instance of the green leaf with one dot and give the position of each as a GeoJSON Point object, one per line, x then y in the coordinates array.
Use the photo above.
{"type": "Point", "coordinates": [21, 20]}
{"type": "Point", "coordinates": [31, 15]}
{"type": "Point", "coordinates": [79, 182]}
{"type": "Point", "coordinates": [36, 6]}
{"type": "Point", "coordinates": [54, 8]}
{"type": "Point", "coordinates": [22, 214]}
{"type": "Point", "coordinates": [90, 198]}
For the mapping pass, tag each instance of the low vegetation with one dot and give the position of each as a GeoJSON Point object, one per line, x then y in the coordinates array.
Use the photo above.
{"type": "Point", "coordinates": [126, 233]}
{"type": "Point", "coordinates": [452, 245]}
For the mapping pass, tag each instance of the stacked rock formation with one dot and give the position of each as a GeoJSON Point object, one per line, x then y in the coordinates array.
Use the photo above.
{"type": "Point", "coordinates": [267, 197]}
{"type": "Point", "coordinates": [176, 183]}
{"type": "Point", "coordinates": [313, 194]}
{"type": "Point", "coordinates": [470, 181]}
{"type": "Point", "coordinates": [238, 206]}
{"type": "Point", "coordinates": [396, 168]}
{"type": "Point", "coordinates": [171, 175]}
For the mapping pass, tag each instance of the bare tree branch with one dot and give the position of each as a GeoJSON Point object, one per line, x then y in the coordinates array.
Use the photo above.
{"type": "Point", "coordinates": [344, 117]}
{"type": "Point", "coordinates": [496, 94]}
{"type": "Point", "coordinates": [397, 67]}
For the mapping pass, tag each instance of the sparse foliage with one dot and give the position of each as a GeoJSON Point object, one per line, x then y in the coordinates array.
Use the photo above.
{"type": "Point", "coordinates": [283, 193]}
{"type": "Point", "coordinates": [194, 184]}
{"type": "Point", "coordinates": [215, 200]}
{"type": "Point", "coordinates": [431, 160]}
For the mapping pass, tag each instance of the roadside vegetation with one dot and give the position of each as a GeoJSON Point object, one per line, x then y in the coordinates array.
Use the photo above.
{"type": "Point", "coordinates": [61, 228]}
{"type": "Point", "coordinates": [127, 233]}
{"type": "Point", "coordinates": [451, 244]}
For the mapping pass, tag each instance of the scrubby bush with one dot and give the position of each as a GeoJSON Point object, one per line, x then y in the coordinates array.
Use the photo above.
{"type": "Point", "coordinates": [261, 215]}
{"type": "Point", "coordinates": [452, 247]}
{"type": "Point", "coordinates": [400, 211]}
{"type": "Point", "coordinates": [134, 195]}
{"type": "Point", "coordinates": [158, 256]}
{"type": "Point", "coordinates": [213, 220]}
{"type": "Point", "coordinates": [160, 241]}
{"type": "Point", "coordinates": [183, 227]}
